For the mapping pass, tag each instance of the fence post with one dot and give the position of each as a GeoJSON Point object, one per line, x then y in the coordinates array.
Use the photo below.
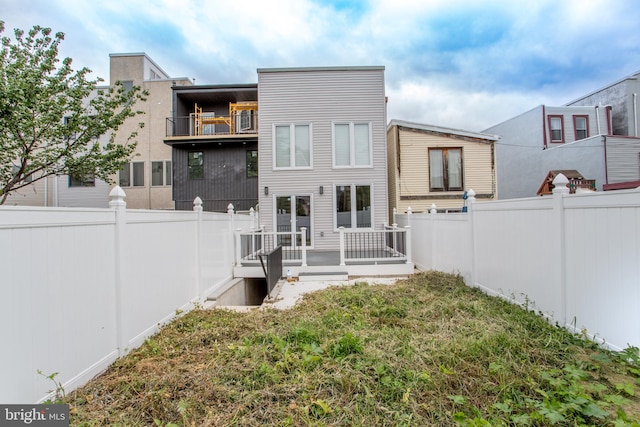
{"type": "Point", "coordinates": [252, 215]}
{"type": "Point", "coordinates": [303, 230]}
{"type": "Point", "coordinates": [409, 213]}
{"type": "Point", "coordinates": [432, 219]}
{"type": "Point", "coordinates": [560, 190]}
{"type": "Point", "coordinates": [395, 236]}
{"type": "Point", "coordinates": [395, 212]}
{"type": "Point", "coordinates": [117, 203]}
{"type": "Point", "coordinates": [197, 208]}
{"type": "Point", "coordinates": [471, 200]}
{"type": "Point", "coordinates": [408, 251]}
{"type": "Point", "coordinates": [341, 229]}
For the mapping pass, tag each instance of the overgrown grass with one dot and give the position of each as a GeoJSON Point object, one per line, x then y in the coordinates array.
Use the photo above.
{"type": "Point", "coordinates": [427, 351]}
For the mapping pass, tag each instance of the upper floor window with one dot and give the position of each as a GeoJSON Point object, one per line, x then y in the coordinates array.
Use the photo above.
{"type": "Point", "coordinates": [16, 170]}
{"type": "Point", "coordinates": [556, 128]}
{"type": "Point", "coordinates": [581, 126]}
{"type": "Point", "coordinates": [445, 169]}
{"type": "Point", "coordinates": [292, 146]}
{"type": "Point", "coordinates": [161, 173]}
{"type": "Point", "coordinates": [82, 180]}
{"type": "Point", "coordinates": [195, 165]}
{"type": "Point", "coordinates": [131, 174]}
{"type": "Point", "coordinates": [351, 144]}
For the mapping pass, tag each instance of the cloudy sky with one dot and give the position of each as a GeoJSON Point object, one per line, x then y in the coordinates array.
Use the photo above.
{"type": "Point", "coordinates": [466, 64]}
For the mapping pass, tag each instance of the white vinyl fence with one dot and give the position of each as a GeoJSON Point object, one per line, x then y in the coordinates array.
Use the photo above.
{"type": "Point", "coordinates": [82, 287]}
{"type": "Point", "coordinates": [573, 257]}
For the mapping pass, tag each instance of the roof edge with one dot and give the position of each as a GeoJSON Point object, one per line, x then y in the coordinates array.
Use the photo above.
{"type": "Point", "coordinates": [335, 68]}
{"type": "Point", "coordinates": [442, 129]}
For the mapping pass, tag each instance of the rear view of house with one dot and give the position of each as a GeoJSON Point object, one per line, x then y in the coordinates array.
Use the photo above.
{"type": "Point", "coordinates": [322, 151]}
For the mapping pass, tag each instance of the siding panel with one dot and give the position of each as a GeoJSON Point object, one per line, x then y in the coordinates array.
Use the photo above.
{"type": "Point", "coordinates": [320, 97]}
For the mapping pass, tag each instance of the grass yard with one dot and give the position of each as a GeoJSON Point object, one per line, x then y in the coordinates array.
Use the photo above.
{"type": "Point", "coordinates": [427, 351]}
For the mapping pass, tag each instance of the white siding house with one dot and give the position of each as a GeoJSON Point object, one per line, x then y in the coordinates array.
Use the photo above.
{"type": "Point", "coordinates": [322, 148]}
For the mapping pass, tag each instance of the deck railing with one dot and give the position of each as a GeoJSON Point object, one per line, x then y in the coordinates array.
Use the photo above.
{"type": "Point", "coordinates": [391, 244]}
{"type": "Point", "coordinates": [373, 246]}
{"type": "Point", "coordinates": [218, 125]}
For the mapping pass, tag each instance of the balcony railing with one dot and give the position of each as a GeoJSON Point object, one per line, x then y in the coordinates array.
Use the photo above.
{"type": "Point", "coordinates": [356, 246]}
{"type": "Point", "coordinates": [204, 125]}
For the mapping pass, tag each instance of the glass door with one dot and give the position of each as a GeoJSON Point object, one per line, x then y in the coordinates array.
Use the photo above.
{"type": "Point", "coordinates": [292, 213]}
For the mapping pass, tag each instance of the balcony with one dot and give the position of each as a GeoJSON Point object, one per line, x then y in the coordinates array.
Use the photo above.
{"type": "Point", "coordinates": [241, 121]}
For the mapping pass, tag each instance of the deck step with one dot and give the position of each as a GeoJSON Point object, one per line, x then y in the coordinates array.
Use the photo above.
{"type": "Point", "coordinates": [323, 276]}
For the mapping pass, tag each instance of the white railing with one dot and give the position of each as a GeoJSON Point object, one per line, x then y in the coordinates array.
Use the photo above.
{"type": "Point", "coordinates": [355, 246]}
{"type": "Point", "coordinates": [373, 246]}
{"type": "Point", "coordinates": [253, 243]}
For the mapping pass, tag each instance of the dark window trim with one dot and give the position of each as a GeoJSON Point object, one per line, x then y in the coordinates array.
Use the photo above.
{"type": "Point", "coordinates": [575, 128]}
{"type": "Point", "coordinates": [549, 119]}
{"type": "Point", "coordinates": [445, 175]}
{"type": "Point", "coordinates": [254, 174]}
{"type": "Point", "coordinates": [200, 166]}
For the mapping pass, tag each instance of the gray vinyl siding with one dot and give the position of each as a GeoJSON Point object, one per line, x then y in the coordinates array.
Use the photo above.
{"type": "Point", "coordinates": [319, 97]}
{"type": "Point", "coordinates": [90, 197]}
{"type": "Point", "coordinates": [623, 159]}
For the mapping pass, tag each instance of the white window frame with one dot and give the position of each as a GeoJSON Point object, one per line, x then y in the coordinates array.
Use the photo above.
{"type": "Point", "coordinates": [292, 146]}
{"type": "Point", "coordinates": [354, 212]}
{"type": "Point", "coordinates": [294, 216]}
{"type": "Point", "coordinates": [166, 180]}
{"type": "Point", "coordinates": [352, 148]}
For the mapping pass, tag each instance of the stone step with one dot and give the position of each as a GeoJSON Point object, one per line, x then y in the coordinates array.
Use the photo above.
{"type": "Point", "coordinates": [323, 276]}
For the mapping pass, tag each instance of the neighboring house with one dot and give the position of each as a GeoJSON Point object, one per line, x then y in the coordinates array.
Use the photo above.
{"type": "Point", "coordinates": [553, 138]}
{"type": "Point", "coordinates": [622, 97]}
{"type": "Point", "coordinates": [213, 133]}
{"type": "Point", "coordinates": [431, 164]}
{"type": "Point", "coordinates": [64, 190]}
{"type": "Point", "coordinates": [147, 178]}
{"type": "Point", "coordinates": [322, 151]}
{"type": "Point", "coordinates": [596, 134]}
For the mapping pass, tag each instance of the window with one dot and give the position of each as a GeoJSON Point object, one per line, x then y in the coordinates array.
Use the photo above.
{"type": "Point", "coordinates": [445, 169]}
{"type": "Point", "coordinates": [195, 165]}
{"type": "Point", "coordinates": [353, 206]}
{"type": "Point", "coordinates": [351, 144]}
{"type": "Point", "coordinates": [581, 126]}
{"type": "Point", "coordinates": [161, 173]}
{"type": "Point", "coordinates": [244, 121]}
{"type": "Point", "coordinates": [292, 146]}
{"type": "Point", "coordinates": [127, 85]}
{"type": "Point", "coordinates": [82, 180]}
{"type": "Point", "coordinates": [556, 128]}
{"type": "Point", "coordinates": [133, 170]}
{"type": "Point", "coordinates": [16, 169]}
{"type": "Point", "coordinates": [252, 163]}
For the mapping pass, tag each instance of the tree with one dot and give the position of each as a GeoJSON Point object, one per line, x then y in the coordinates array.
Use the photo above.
{"type": "Point", "coordinates": [51, 116]}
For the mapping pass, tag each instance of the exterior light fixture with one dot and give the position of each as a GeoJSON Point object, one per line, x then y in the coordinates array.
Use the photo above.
{"type": "Point", "coordinates": [266, 191]}
{"type": "Point", "coordinates": [321, 189]}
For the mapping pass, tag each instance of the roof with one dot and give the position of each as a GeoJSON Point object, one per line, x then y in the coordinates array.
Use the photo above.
{"type": "Point", "coordinates": [633, 76]}
{"type": "Point", "coordinates": [307, 69]}
{"type": "Point", "coordinates": [443, 130]}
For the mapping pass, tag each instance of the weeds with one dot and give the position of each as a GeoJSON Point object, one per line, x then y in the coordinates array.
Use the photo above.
{"type": "Point", "coordinates": [425, 351]}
